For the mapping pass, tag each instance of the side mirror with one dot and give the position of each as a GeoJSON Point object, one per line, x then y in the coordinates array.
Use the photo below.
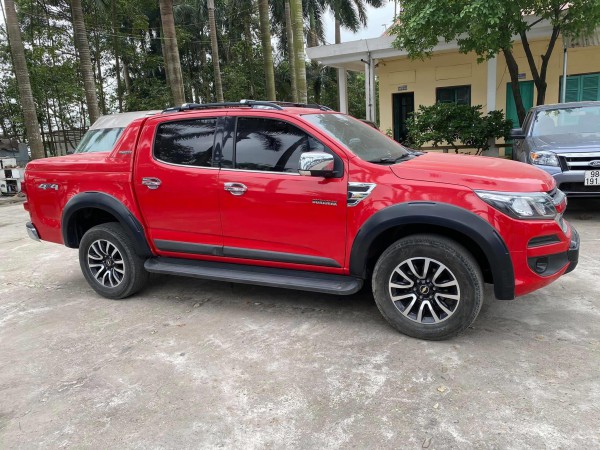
{"type": "Point", "coordinates": [317, 164]}
{"type": "Point", "coordinates": [517, 133]}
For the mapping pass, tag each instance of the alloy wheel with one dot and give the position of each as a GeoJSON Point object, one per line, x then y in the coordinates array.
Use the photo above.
{"type": "Point", "coordinates": [424, 290]}
{"type": "Point", "coordinates": [106, 263]}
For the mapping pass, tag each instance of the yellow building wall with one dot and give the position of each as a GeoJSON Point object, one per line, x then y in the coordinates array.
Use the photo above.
{"type": "Point", "coordinates": [455, 69]}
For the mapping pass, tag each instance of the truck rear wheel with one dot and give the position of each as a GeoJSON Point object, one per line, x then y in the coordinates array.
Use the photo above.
{"type": "Point", "coordinates": [109, 262]}
{"type": "Point", "coordinates": [428, 287]}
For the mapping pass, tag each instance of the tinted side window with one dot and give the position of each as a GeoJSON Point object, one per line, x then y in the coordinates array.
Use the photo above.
{"type": "Point", "coordinates": [188, 142]}
{"type": "Point", "coordinates": [271, 145]}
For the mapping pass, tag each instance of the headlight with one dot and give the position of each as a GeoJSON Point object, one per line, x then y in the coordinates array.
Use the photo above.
{"type": "Point", "coordinates": [529, 205]}
{"type": "Point", "coordinates": [544, 158]}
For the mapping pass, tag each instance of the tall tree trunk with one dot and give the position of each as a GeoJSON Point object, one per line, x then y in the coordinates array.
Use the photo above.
{"type": "Point", "coordinates": [172, 62]}
{"type": "Point", "coordinates": [513, 70]}
{"type": "Point", "coordinates": [298, 28]}
{"type": "Point", "coordinates": [126, 77]}
{"type": "Point", "coordinates": [215, 49]}
{"type": "Point", "coordinates": [338, 31]}
{"type": "Point", "coordinates": [249, 52]}
{"type": "Point", "coordinates": [290, 38]}
{"type": "Point", "coordinates": [265, 36]}
{"type": "Point", "coordinates": [32, 126]}
{"type": "Point", "coordinates": [312, 33]}
{"type": "Point", "coordinates": [116, 50]}
{"type": "Point", "coordinates": [98, 77]}
{"type": "Point", "coordinates": [87, 71]}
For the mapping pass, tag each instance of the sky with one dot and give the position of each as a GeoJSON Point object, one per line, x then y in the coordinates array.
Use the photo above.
{"type": "Point", "coordinates": [376, 18]}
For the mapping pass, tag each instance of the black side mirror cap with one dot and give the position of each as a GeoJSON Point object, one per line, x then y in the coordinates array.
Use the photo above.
{"type": "Point", "coordinates": [517, 133]}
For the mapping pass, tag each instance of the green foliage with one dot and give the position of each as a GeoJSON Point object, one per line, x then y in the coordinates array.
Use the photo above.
{"type": "Point", "coordinates": [452, 124]}
{"type": "Point", "coordinates": [130, 30]}
{"type": "Point", "coordinates": [485, 27]}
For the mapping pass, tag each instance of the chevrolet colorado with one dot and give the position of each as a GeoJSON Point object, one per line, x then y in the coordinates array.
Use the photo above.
{"type": "Point", "coordinates": [301, 197]}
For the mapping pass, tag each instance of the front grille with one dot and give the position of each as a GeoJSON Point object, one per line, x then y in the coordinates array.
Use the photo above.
{"type": "Point", "coordinates": [579, 187]}
{"type": "Point", "coordinates": [557, 196]}
{"type": "Point", "coordinates": [580, 161]}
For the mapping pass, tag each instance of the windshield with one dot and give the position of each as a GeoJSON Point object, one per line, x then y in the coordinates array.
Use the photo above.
{"type": "Point", "coordinates": [99, 140]}
{"type": "Point", "coordinates": [361, 139]}
{"type": "Point", "coordinates": [583, 119]}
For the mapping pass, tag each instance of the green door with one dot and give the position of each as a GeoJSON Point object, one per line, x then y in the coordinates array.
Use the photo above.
{"type": "Point", "coordinates": [526, 88]}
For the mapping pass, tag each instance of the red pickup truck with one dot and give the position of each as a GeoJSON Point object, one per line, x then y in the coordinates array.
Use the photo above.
{"type": "Point", "coordinates": [301, 197]}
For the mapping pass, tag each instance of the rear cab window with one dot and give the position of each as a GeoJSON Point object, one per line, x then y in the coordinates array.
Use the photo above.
{"type": "Point", "coordinates": [186, 142]}
{"type": "Point", "coordinates": [99, 140]}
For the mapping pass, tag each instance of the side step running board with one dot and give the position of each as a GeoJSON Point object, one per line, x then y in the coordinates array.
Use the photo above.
{"type": "Point", "coordinates": [263, 276]}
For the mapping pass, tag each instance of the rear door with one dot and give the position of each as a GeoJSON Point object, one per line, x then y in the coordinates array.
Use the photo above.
{"type": "Point", "coordinates": [176, 184]}
{"type": "Point", "coordinates": [269, 212]}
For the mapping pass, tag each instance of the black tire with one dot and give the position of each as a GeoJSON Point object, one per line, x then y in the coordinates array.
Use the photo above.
{"type": "Point", "coordinates": [461, 273]}
{"type": "Point", "coordinates": [112, 236]}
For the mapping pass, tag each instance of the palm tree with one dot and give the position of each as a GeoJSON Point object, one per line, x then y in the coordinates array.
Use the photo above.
{"type": "Point", "coordinates": [32, 126]}
{"type": "Point", "coordinates": [172, 62]}
{"type": "Point", "coordinates": [290, 42]}
{"type": "Point", "coordinates": [87, 71]}
{"type": "Point", "coordinates": [300, 60]}
{"type": "Point", "coordinates": [215, 49]}
{"type": "Point", "coordinates": [265, 35]}
{"type": "Point", "coordinates": [350, 14]}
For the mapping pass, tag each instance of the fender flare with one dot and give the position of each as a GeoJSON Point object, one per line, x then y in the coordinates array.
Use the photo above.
{"type": "Point", "coordinates": [442, 215]}
{"type": "Point", "coordinates": [111, 205]}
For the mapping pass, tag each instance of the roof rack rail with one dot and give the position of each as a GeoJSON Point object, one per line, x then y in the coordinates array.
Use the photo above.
{"type": "Point", "coordinates": [244, 103]}
{"type": "Point", "coordinates": [304, 105]}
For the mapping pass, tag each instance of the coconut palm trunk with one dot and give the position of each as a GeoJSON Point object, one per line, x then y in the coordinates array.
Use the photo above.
{"type": "Point", "coordinates": [290, 38]}
{"type": "Point", "coordinates": [299, 55]}
{"type": "Point", "coordinates": [32, 127]}
{"type": "Point", "coordinates": [85, 60]}
{"type": "Point", "coordinates": [215, 49]}
{"type": "Point", "coordinates": [172, 62]}
{"type": "Point", "coordinates": [265, 36]}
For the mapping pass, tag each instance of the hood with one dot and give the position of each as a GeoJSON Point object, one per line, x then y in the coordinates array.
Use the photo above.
{"type": "Point", "coordinates": [475, 172]}
{"type": "Point", "coordinates": [571, 142]}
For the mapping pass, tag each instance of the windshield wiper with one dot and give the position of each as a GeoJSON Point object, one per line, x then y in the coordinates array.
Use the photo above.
{"type": "Point", "coordinates": [392, 160]}
{"type": "Point", "coordinates": [404, 157]}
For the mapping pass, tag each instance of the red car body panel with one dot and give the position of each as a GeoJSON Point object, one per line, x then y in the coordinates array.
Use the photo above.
{"type": "Point", "coordinates": [277, 213]}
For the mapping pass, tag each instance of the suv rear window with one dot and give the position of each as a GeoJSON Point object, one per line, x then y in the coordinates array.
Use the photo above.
{"type": "Point", "coordinates": [188, 142]}
{"type": "Point", "coordinates": [99, 140]}
{"type": "Point", "coordinates": [271, 145]}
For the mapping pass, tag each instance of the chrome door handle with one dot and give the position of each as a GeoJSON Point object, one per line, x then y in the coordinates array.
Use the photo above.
{"type": "Point", "coordinates": [236, 188]}
{"type": "Point", "coordinates": [151, 182]}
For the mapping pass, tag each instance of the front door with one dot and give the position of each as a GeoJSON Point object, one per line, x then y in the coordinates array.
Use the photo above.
{"type": "Point", "coordinates": [403, 106]}
{"type": "Point", "coordinates": [269, 212]}
{"type": "Point", "coordinates": [176, 185]}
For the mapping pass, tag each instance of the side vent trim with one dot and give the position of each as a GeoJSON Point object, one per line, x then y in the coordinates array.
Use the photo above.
{"type": "Point", "coordinates": [357, 192]}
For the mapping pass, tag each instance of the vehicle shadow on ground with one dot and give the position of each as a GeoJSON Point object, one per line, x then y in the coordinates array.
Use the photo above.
{"type": "Point", "coordinates": [583, 209]}
{"type": "Point", "coordinates": [356, 308]}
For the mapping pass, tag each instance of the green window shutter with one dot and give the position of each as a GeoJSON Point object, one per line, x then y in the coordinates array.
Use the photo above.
{"type": "Point", "coordinates": [573, 89]}
{"type": "Point", "coordinates": [590, 87]}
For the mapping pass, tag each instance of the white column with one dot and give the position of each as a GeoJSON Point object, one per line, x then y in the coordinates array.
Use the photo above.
{"type": "Point", "coordinates": [373, 91]}
{"type": "Point", "coordinates": [491, 101]}
{"type": "Point", "coordinates": [343, 90]}
{"type": "Point", "coordinates": [563, 91]}
{"type": "Point", "coordinates": [491, 84]}
{"type": "Point", "coordinates": [368, 98]}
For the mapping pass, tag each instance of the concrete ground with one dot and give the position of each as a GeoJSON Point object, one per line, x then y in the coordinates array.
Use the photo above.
{"type": "Point", "coordinates": [196, 364]}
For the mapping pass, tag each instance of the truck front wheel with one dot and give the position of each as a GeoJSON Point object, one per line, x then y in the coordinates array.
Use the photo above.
{"type": "Point", "coordinates": [428, 286]}
{"type": "Point", "coordinates": [109, 262]}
